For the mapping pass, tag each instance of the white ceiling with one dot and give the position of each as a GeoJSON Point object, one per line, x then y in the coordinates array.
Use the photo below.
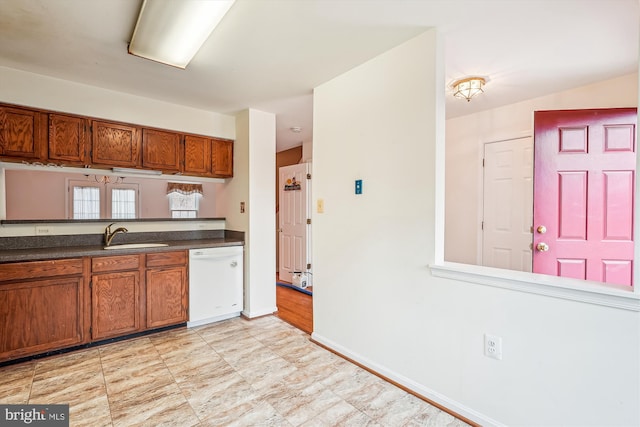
{"type": "Point", "coordinates": [270, 54]}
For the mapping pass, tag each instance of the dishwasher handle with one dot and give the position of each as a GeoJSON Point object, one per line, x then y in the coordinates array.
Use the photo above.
{"type": "Point", "coordinates": [217, 253]}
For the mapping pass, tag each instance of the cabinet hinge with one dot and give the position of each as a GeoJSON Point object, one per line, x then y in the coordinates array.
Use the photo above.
{"type": "Point", "coordinates": [91, 284]}
{"type": "Point", "coordinates": [308, 176]}
{"type": "Point", "coordinates": [309, 221]}
{"type": "Point", "coordinates": [482, 225]}
{"type": "Point", "coordinates": [91, 330]}
{"type": "Point", "coordinates": [308, 266]}
{"type": "Point", "coordinates": [482, 162]}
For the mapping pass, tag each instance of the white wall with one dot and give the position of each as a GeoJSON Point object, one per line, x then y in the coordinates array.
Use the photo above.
{"type": "Point", "coordinates": [34, 90]}
{"type": "Point", "coordinates": [307, 152]}
{"type": "Point", "coordinates": [564, 363]}
{"type": "Point", "coordinates": [465, 139]}
{"type": "Point", "coordinates": [254, 183]}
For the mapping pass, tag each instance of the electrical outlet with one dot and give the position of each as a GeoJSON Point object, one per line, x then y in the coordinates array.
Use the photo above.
{"type": "Point", "coordinates": [493, 346]}
{"type": "Point", "coordinates": [41, 231]}
{"type": "Point", "coordinates": [241, 207]}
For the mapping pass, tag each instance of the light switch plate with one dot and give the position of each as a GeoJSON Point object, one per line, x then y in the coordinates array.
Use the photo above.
{"type": "Point", "coordinates": [358, 186]}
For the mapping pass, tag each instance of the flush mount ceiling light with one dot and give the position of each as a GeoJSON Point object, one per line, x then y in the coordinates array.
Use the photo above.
{"type": "Point", "coordinates": [468, 88]}
{"type": "Point", "coordinates": [172, 32]}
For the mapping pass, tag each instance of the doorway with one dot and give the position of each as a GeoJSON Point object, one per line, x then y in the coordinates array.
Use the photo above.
{"type": "Point", "coordinates": [295, 304]}
{"type": "Point", "coordinates": [575, 218]}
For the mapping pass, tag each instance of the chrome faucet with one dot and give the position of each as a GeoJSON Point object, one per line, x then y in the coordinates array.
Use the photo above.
{"type": "Point", "coordinates": [109, 235]}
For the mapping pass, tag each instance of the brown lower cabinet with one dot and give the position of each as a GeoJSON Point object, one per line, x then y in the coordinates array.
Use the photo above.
{"type": "Point", "coordinates": [55, 304]}
{"type": "Point", "coordinates": [42, 307]}
{"type": "Point", "coordinates": [166, 289]}
{"type": "Point", "coordinates": [115, 295]}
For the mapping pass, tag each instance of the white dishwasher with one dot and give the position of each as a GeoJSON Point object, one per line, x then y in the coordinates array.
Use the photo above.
{"type": "Point", "coordinates": [215, 284]}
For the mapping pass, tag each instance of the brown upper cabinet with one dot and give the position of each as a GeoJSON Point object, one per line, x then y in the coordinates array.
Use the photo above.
{"type": "Point", "coordinates": [197, 155]}
{"type": "Point", "coordinates": [115, 144]}
{"type": "Point", "coordinates": [208, 156]}
{"type": "Point", "coordinates": [23, 134]}
{"type": "Point", "coordinates": [68, 140]}
{"type": "Point", "coordinates": [160, 150]}
{"type": "Point", "coordinates": [222, 158]}
{"type": "Point", "coordinates": [34, 135]}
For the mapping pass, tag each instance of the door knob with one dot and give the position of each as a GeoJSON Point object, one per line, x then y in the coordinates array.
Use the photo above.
{"type": "Point", "coordinates": [541, 229]}
{"type": "Point", "coordinates": [542, 247]}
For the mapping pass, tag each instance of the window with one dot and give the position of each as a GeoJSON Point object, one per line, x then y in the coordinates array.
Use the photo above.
{"type": "Point", "coordinates": [123, 203]}
{"type": "Point", "coordinates": [86, 202]}
{"type": "Point", "coordinates": [94, 200]}
{"type": "Point", "coordinates": [184, 205]}
{"type": "Point", "coordinates": [183, 199]}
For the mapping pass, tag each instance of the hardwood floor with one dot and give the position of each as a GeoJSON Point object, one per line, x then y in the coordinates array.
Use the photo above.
{"type": "Point", "coordinates": [295, 307]}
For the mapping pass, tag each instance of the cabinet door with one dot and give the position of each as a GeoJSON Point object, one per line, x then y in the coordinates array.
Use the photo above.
{"type": "Point", "coordinates": [160, 150]}
{"type": "Point", "coordinates": [115, 304]}
{"type": "Point", "coordinates": [22, 134]}
{"type": "Point", "coordinates": [40, 315]}
{"type": "Point", "coordinates": [197, 155]}
{"type": "Point", "coordinates": [166, 296]}
{"type": "Point", "coordinates": [222, 158]}
{"type": "Point", "coordinates": [68, 142]}
{"type": "Point", "coordinates": [115, 144]}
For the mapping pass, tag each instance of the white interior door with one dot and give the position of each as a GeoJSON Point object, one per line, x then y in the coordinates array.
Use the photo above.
{"type": "Point", "coordinates": [294, 238]}
{"type": "Point", "coordinates": [508, 204]}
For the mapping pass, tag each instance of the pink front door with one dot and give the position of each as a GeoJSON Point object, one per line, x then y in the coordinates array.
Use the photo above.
{"type": "Point", "coordinates": [584, 167]}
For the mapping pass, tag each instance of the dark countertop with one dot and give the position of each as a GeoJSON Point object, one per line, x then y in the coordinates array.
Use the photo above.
{"type": "Point", "coordinates": [57, 249]}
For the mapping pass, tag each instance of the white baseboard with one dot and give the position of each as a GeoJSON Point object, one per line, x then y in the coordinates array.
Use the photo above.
{"type": "Point", "coordinates": [415, 387]}
{"type": "Point", "coordinates": [259, 313]}
{"type": "Point", "coordinates": [212, 319]}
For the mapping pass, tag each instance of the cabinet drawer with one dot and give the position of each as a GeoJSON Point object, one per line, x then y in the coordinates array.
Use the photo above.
{"type": "Point", "coordinates": [115, 263]}
{"type": "Point", "coordinates": [167, 258]}
{"type": "Point", "coordinates": [37, 269]}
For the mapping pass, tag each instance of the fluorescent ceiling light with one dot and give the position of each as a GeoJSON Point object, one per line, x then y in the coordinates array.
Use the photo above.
{"type": "Point", "coordinates": [136, 171]}
{"type": "Point", "coordinates": [172, 31]}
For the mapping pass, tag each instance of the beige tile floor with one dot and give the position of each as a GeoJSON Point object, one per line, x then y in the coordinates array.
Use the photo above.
{"type": "Point", "coordinates": [262, 372]}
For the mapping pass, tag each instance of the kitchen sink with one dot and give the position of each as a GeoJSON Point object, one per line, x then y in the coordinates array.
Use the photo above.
{"type": "Point", "coordinates": [137, 246]}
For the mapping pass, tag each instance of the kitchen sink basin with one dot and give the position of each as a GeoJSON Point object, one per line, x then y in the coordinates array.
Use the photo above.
{"type": "Point", "coordinates": [137, 246]}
